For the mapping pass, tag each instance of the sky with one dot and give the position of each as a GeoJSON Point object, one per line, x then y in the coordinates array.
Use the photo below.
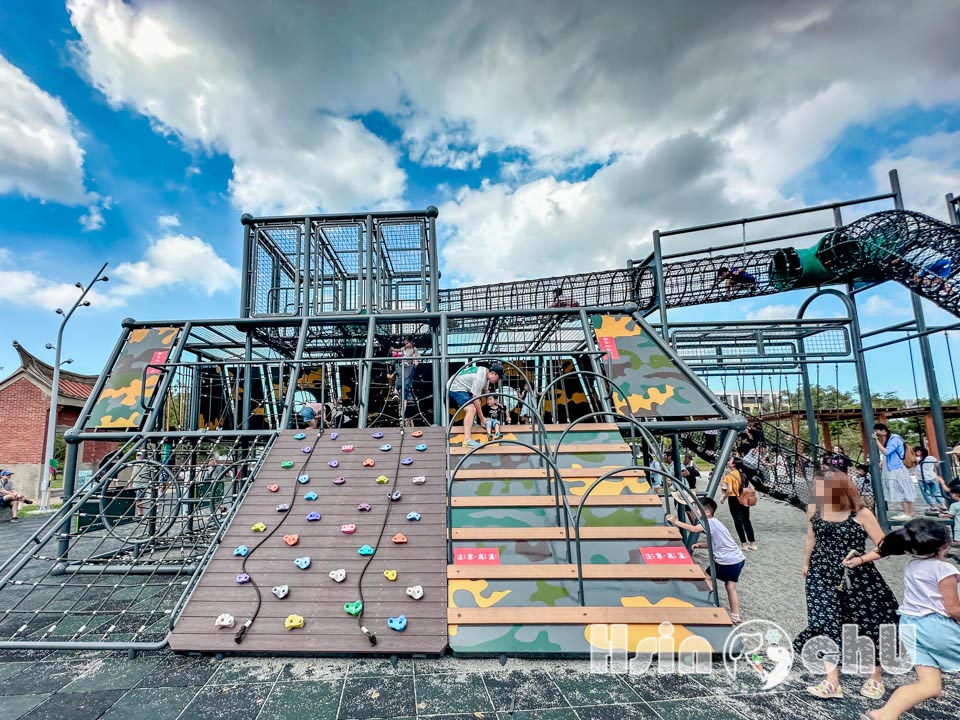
{"type": "Point", "coordinates": [554, 137]}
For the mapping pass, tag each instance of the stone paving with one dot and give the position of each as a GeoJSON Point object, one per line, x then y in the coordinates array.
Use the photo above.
{"type": "Point", "coordinates": [46, 685]}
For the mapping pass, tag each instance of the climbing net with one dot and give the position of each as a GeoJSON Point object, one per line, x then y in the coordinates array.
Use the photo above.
{"type": "Point", "coordinates": [111, 568]}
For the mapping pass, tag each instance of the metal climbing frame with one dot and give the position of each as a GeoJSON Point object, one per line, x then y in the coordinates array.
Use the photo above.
{"type": "Point", "coordinates": [305, 266]}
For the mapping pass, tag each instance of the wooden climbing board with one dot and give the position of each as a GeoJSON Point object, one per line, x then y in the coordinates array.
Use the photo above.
{"type": "Point", "coordinates": [313, 594]}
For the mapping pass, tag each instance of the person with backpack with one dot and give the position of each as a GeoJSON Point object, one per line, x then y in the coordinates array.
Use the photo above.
{"type": "Point", "coordinates": [740, 498]}
{"type": "Point", "coordinates": [895, 471]}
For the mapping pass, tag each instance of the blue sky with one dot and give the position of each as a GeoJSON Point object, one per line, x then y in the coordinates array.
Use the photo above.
{"type": "Point", "coordinates": [554, 139]}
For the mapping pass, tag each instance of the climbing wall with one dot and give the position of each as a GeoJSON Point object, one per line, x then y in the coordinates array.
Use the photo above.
{"type": "Point", "coordinates": [404, 585]}
{"type": "Point", "coordinates": [513, 589]}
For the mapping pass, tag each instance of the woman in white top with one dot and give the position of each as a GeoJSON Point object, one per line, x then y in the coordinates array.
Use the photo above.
{"type": "Point", "coordinates": [932, 486]}
{"type": "Point", "coordinates": [929, 615]}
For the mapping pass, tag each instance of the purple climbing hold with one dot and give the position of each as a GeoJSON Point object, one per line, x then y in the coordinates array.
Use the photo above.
{"type": "Point", "coordinates": [243, 579]}
{"type": "Point", "coordinates": [377, 435]}
{"type": "Point", "coordinates": [339, 480]}
{"type": "Point", "coordinates": [334, 435]}
{"type": "Point", "coordinates": [407, 461]}
{"type": "Point", "coordinates": [395, 495]}
{"type": "Point", "coordinates": [334, 463]}
{"type": "Point", "coordinates": [313, 517]}
{"type": "Point", "coordinates": [306, 449]}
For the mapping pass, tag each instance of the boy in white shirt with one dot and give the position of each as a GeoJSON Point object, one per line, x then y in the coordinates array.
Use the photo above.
{"type": "Point", "coordinates": [727, 555]}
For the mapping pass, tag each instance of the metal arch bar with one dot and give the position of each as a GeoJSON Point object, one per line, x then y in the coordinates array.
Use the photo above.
{"type": "Point", "coordinates": [579, 372]}
{"type": "Point", "coordinates": [474, 360]}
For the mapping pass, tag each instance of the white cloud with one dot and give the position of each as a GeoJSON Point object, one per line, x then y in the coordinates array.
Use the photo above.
{"type": "Point", "coordinates": [774, 312]}
{"type": "Point", "coordinates": [174, 260]}
{"type": "Point", "coordinates": [93, 219]}
{"type": "Point", "coordinates": [169, 262]}
{"type": "Point", "coordinates": [929, 167]}
{"type": "Point", "coordinates": [165, 222]}
{"type": "Point", "coordinates": [879, 305]}
{"type": "Point", "coordinates": [40, 156]}
{"type": "Point", "coordinates": [765, 88]}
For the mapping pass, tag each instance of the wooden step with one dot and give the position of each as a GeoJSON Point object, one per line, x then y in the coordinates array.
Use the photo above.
{"type": "Point", "coordinates": [495, 448]}
{"type": "Point", "coordinates": [569, 572]}
{"type": "Point", "coordinates": [549, 427]}
{"type": "Point", "coordinates": [559, 533]}
{"type": "Point", "coordinates": [541, 473]}
{"type": "Point", "coordinates": [549, 502]}
{"type": "Point", "coordinates": [588, 616]}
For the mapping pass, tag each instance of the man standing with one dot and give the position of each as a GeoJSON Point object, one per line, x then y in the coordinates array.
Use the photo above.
{"type": "Point", "coordinates": [897, 483]}
{"type": "Point", "coordinates": [465, 390]}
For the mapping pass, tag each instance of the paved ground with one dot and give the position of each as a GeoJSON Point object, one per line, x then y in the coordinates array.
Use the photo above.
{"type": "Point", "coordinates": [162, 686]}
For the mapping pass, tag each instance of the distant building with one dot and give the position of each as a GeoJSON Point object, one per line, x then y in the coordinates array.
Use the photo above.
{"type": "Point", "coordinates": [752, 403]}
{"type": "Point", "coordinates": [24, 410]}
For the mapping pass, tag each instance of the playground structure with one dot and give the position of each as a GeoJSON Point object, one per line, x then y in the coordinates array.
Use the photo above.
{"type": "Point", "coordinates": [570, 502]}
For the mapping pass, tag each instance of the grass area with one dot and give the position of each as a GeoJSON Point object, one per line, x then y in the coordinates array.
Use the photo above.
{"type": "Point", "coordinates": [28, 510]}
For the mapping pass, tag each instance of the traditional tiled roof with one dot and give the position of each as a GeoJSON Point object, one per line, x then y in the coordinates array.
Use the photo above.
{"type": "Point", "coordinates": [72, 385]}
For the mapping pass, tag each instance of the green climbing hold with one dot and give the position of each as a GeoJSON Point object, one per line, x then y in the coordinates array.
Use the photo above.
{"type": "Point", "coordinates": [286, 464]}
{"type": "Point", "coordinates": [353, 608]}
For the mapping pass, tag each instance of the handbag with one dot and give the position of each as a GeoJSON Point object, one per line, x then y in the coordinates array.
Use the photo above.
{"type": "Point", "coordinates": [752, 459]}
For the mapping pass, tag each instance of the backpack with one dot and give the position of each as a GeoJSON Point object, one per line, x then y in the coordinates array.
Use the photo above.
{"type": "Point", "coordinates": [908, 457]}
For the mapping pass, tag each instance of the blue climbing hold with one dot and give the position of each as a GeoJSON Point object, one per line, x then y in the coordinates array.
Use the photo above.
{"type": "Point", "coordinates": [413, 516]}
{"type": "Point", "coordinates": [299, 436]}
{"type": "Point", "coordinates": [302, 562]}
{"type": "Point", "coordinates": [397, 623]}
{"type": "Point", "coordinates": [303, 479]}
{"type": "Point", "coordinates": [241, 551]}
{"type": "Point", "coordinates": [365, 550]}
{"type": "Point", "coordinates": [421, 447]}
{"type": "Point", "coordinates": [387, 447]}
{"type": "Point", "coordinates": [310, 496]}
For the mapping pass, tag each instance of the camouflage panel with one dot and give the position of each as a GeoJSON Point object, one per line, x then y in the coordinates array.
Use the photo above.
{"type": "Point", "coordinates": [547, 517]}
{"type": "Point", "coordinates": [595, 552]}
{"type": "Point", "coordinates": [483, 461]}
{"type": "Point", "coordinates": [119, 405]}
{"type": "Point", "coordinates": [647, 374]}
{"type": "Point", "coordinates": [574, 486]}
{"type": "Point", "coordinates": [581, 435]}
{"type": "Point", "coordinates": [563, 593]}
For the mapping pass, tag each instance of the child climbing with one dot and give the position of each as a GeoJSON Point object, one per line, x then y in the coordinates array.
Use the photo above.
{"type": "Point", "coordinates": [496, 416]}
{"type": "Point", "coordinates": [929, 615]}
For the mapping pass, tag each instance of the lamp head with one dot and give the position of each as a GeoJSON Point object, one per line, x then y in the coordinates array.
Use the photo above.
{"type": "Point", "coordinates": [86, 303]}
{"type": "Point", "coordinates": [49, 346]}
{"type": "Point", "coordinates": [104, 278]}
{"type": "Point", "coordinates": [59, 311]}
{"type": "Point", "coordinates": [68, 361]}
{"type": "Point", "coordinates": [78, 284]}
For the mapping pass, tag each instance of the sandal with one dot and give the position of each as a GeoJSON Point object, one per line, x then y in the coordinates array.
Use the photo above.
{"type": "Point", "coordinates": [826, 690]}
{"type": "Point", "coordinates": [873, 689]}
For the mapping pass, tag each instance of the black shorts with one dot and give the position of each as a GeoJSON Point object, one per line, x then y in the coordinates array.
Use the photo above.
{"type": "Point", "coordinates": [729, 573]}
{"type": "Point", "coordinates": [7, 500]}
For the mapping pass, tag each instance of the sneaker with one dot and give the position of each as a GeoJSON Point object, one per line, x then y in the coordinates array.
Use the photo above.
{"type": "Point", "coordinates": [498, 436]}
{"type": "Point", "coordinates": [826, 690]}
{"type": "Point", "coordinates": [472, 443]}
{"type": "Point", "coordinates": [753, 546]}
{"type": "Point", "coordinates": [902, 517]}
{"type": "Point", "coordinates": [14, 519]}
{"type": "Point", "coordinates": [873, 689]}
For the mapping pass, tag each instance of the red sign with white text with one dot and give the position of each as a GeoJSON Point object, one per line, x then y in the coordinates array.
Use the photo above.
{"type": "Point", "coordinates": [665, 556]}
{"type": "Point", "coordinates": [608, 345]}
{"type": "Point", "coordinates": [159, 357]}
{"type": "Point", "coordinates": [476, 556]}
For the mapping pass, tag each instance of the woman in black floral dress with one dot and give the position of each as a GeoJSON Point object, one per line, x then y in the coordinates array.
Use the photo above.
{"type": "Point", "coordinates": [839, 525]}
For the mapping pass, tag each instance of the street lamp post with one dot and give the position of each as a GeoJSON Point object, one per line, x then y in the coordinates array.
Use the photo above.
{"type": "Point", "coordinates": [47, 472]}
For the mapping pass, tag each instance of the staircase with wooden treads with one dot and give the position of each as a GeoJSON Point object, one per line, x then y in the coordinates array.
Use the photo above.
{"type": "Point", "coordinates": [513, 589]}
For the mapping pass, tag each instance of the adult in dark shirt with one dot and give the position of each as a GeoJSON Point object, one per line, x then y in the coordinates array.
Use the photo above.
{"type": "Point", "coordinates": [838, 461]}
{"type": "Point", "coordinates": [691, 473]}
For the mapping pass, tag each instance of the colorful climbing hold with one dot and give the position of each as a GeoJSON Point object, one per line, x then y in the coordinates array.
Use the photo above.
{"type": "Point", "coordinates": [417, 433]}
{"type": "Point", "coordinates": [386, 447]}
{"type": "Point", "coordinates": [348, 528]}
{"type": "Point", "coordinates": [299, 436]}
{"type": "Point", "coordinates": [420, 448]}
{"type": "Point", "coordinates": [313, 517]}
{"type": "Point", "coordinates": [241, 551]}
{"type": "Point", "coordinates": [338, 575]}
{"type": "Point", "coordinates": [243, 579]}
{"type": "Point", "coordinates": [365, 550]}
{"type": "Point", "coordinates": [390, 575]}
{"type": "Point", "coordinates": [273, 488]}
{"type": "Point", "coordinates": [382, 479]}
{"type": "Point", "coordinates": [413, 516]}
{"type": "Point", "coordinates": [363, 507]}
{"type": "Point", "coordinates": [334, 463]}
{"type": "Point", "coordinates": [399, 539]}
{"type": "Point", "coordinates": [306, 449]}
{"type": "Point", "coordinates": [334, 435]}
{"type": "Point", "coordinates": [369, 462]}
{"type": "Point", "coordinates": [346, 448]}
{"type": "Point", "coordinates": [395, 495]}
{"type": "Point", "coordinates": [419, 479]}
{"type": "Point", "coordinates": [397, 623]}
{"type": "Point", "coordinates": [353, 608]}
{"type": "Point", "coordinates": [407, 461]}
{"type": "Point", "coordinates": [224, 620]}
{"type": "Point", "coordinates": [286, 464]}
{"type": "Point", "coordinates": [415, 591]}
{"type": "Point", "coordinates": [339, 480]}
{"type": "Point", "coordinates": [310, 496]}
{"type": "Point", "coordinates": [281, 591]}
{"type": "Point", "coordinates": [303, 479]}
{"type": "Point", "coordinates": [293, 622]}
{"type": "Point", "coordinates": [283, 507]}
{"type": "Point", "coordinates": [258, 527]}
{"type": "Point", "coordinates": [291, 540]}
{"type": "Point", "coordinates": [377, 435]}
{"type": "Point", "coordinates": [302, 562]}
